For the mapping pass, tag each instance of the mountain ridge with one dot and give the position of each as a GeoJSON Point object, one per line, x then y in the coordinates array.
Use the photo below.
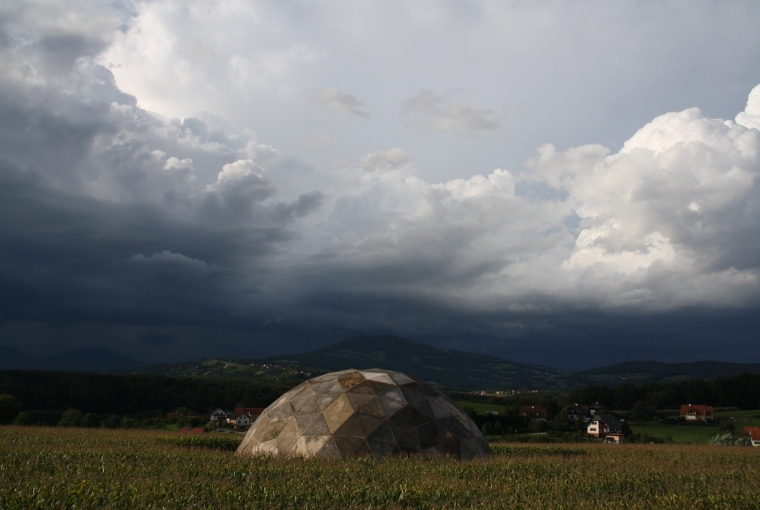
{"type": "Point", "coordinates": [466, 370]}
{"type": "Point", "coordinates": [447, 368]}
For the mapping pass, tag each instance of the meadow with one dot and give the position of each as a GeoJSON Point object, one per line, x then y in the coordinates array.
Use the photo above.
{"type": "Point", "coordinates": [86, 468]}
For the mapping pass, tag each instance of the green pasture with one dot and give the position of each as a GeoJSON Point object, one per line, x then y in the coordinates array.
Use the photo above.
{"type": "Point", "coordinates": [481, 408]}
{"type": "Point", "coordinates": [695, 433]}
{"type": "Point", "coordinates": [685, 434]}
{"type": "Point", "coordinates": [753, 417]}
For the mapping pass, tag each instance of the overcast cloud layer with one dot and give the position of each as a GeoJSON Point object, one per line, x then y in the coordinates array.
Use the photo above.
{"type": "Point", "coordinates": [180, 179]}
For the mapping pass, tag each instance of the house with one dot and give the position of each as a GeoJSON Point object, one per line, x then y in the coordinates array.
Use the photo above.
{"type": "Point", "coordinates": [606, 426]}
{"type": "Point", "coordinates": [596, 408]}
{"type": "Point", "coordinates": [192, 430]}
{"type": "Point", "coordinates": [242, 420]}
{"type": "Point", "coordinates": [533, 412]}
{"type": "Point", "coordinates": [576, 412]}
{"type": "Point", "coordinates": [219, 416]}
{"type": "Point", "coordinates": [697, 412]}
{"type": "Point", "coordinates": [754, 434]}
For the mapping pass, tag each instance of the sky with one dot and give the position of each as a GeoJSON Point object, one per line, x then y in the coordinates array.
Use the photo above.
{"type": "Point", "coordinates": [565, 183]}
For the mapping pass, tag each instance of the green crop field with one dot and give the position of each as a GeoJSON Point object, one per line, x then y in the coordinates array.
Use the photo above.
{"type": "Point", "coordinates": [92, 468]}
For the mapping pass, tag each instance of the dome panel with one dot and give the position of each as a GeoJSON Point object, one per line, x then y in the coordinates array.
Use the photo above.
{"type": "Point", "coordinates": [338, 412]}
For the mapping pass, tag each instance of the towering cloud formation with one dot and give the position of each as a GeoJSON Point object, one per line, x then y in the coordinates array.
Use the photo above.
{"type": "Point", "coordinates": [112, 214]}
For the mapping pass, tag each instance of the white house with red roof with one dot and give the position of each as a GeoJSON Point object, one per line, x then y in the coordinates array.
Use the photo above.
{"type": "Point", "coordinates": [754, 434]}
{"type": "Point", "coordinates": [533, 412]}
{"type": "Point", "coordinates": [697, 412]}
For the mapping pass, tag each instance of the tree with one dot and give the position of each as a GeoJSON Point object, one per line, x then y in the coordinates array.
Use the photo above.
{"type": "Point", "coordinates": [111, 422]}
{"type": "Point", "coordinates": [90, 420]}
{"type": "Point", "coordinates": [642, 412]}
{"type": "Point", "coordinates": [70, 418]}
{"type": "Point", "coordinates": [472, 413]}
{"type": "Point", "coordinates": [24, 418]}
{"type": "Point", "coordinates": [9, 408]}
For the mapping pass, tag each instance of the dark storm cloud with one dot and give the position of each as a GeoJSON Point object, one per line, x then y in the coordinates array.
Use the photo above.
{"type": "Point", "coordinates": [157, 338]}
{"type": "Point", "coordinates": [112, 216]}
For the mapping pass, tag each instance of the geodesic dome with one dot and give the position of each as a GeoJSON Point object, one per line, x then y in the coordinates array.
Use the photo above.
{"type": "Point", "coordinates": [364, 412]}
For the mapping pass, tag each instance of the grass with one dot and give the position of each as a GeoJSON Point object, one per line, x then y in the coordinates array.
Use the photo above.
{"type": "Point", "coordinates": [694, 433]}
{"type": "Point", "coordinates": [77, 468]}
{"type": "Point", "coordinates": [684, 434]}
{"type": "Point", "coordinates": [753, 417]}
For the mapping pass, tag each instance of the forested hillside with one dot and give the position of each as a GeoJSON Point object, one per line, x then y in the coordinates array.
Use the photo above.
{"type": "Point", "coordinates": [133, 393]}
{"type": "Point", "coordinates": [742, 390]}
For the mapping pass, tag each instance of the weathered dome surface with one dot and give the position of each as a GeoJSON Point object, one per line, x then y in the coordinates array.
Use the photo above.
{"type": "Point", "coordinates": [364, 412]}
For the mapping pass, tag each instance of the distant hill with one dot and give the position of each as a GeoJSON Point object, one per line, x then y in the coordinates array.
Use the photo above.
{"type": "Point", "coordinates": [449, 369]}
{"type": "Point", "coordinates": [87, 359]}
{"type": "Point", "coordinates": [650, 371]}
{"type": "Point", "coordinates": [226, 368]}
{"type": "Point", "coordinates": [454, 369]}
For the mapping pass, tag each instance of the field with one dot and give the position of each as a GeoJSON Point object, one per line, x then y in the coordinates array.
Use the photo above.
{"type": "Point", "coordinates": [693, 433]}
{"type": "Point", "coordinates": [78, 468]}
{"type": "Point", "coordinates": [743, 418]}
{"type": "Point", "coordinates": [481, 408]}
{"type": "Point", "coordinates": [685, 434]}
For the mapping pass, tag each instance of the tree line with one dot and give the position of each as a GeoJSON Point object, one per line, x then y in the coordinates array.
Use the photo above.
{"type": "Point", "coordinates": [45, 395]}
{"type": "Point", "coordinates": [741, 390]}
{"type": "Point", "coordinates": [124, 394]}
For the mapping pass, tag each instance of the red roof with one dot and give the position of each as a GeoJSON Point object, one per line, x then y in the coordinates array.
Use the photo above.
{"type": "Point", "coordinates": [191, 430]}
{"type": "Point", "coordinates": [251, 411]}
{"type": "Point", "coordinates": [755, 434]}
{"type": "Point", "coordinates": [700, 410]}
{"type": "Point", "coordinates": [575, 407]}
{"type": "Point", "coordinates": [532, 411]}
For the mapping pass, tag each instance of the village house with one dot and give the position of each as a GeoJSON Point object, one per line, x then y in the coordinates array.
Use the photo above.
{"type": "Point", "coordinates": [533, 412]}
{"type": "Point", "coordinates": [239, 420]}
{"type": "Point", "coordinates": [253, 412]}
{"type": "Point", "coordinates": [606, 426]}
{"type": "Point", "coordinates": [219, 416]}
{"type": "Point", "coordinates": [697, 412]}
{"type": "Point", "coordinates": [577, 412]}
{"type": "Point", "coordinates": [754, 434]}
{"type": "Point", "coordinates": [595, 408]}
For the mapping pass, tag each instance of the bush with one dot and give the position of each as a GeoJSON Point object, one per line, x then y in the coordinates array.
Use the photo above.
{"type": "Point", "coordinates": [111, 422]}
{"type": "Point", "coordinates": [9, 408]}
{"type": "Point", "coordinates": [90, 420]}
{"type": "Point", "coordinates": [729, 439]}
{"type": "Point", "coordinates": [70, 418]}
{"type": "Point", "coordinates": [24, 418]}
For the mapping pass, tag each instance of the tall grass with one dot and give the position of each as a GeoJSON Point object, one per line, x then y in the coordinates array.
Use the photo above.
{"type": "Point", "coordinates": [71, 468]}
